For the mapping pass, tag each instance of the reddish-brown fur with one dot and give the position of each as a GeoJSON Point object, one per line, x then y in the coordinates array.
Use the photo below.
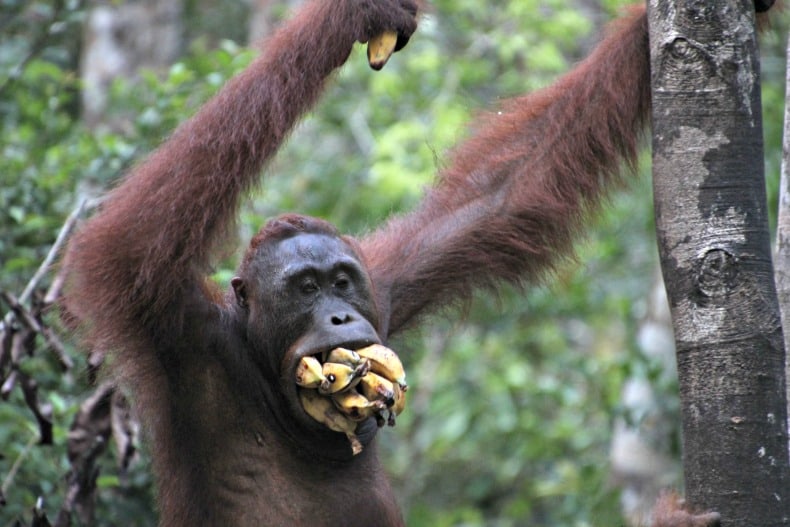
{"type": "Point", "coordinates": [506, 209]}
{"type": "Point", "coordinates": [669, 511]}
{"type": "Point", "coordinates": [519, 189]}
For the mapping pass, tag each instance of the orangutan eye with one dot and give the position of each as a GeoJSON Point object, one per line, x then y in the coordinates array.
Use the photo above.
{"type": "Point", "coordinates": [308, 286]}
{"type": "Point", "coordinates": [342, 282]}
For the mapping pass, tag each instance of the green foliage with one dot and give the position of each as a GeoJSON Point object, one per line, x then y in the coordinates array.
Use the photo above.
{"type": "Point", "coordinates": [523, 392]}
{"type": "Point", "coordinates": [512, 403]}
{"type": "Point", "coordinates": [49, 161]}
{"type": "Point", "coordinates": [35, 182]}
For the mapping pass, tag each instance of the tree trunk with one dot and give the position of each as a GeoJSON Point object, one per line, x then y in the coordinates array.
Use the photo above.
{"type": "Point", "coordinates": [266, 14]}
{"type": "Point", "coordinates": [782, 257]}
{"type": "Point", "coordinates": [120, 39]}
{"type": "Point", "coordinates": [715, 255]}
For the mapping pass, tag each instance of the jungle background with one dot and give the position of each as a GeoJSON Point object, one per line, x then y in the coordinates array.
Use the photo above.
{"type": "Point", "coordinates": [551, 406]}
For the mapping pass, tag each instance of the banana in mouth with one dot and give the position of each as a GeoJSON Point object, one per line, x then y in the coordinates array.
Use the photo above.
{"type": "Point", "coordinates": [345, 387]}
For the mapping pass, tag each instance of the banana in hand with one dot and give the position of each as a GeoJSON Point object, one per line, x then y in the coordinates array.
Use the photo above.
{"type": "Point", "coordinates": [380, 48]}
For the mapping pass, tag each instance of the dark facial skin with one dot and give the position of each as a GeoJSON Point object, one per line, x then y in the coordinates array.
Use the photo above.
{"type": "Point", "coordinates": [301, 296]}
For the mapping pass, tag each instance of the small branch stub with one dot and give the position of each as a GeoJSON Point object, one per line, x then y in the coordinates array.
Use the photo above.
{"type": "Point", "coordinates": [716, 275]}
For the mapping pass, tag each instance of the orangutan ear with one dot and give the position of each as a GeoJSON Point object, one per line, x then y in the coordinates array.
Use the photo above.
{"type": "Point", "coordinates": [240, 288]}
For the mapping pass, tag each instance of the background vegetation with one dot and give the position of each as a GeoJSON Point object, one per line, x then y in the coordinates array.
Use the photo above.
{"type": "Point", "coordinates": [513, 400]}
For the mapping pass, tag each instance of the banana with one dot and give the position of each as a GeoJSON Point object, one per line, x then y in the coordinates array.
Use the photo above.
{"type": "Point", "coordinates": [340, 377]}
{"type": "Point", "coordinates": [377, 388]}
{"type": "Point", "coordinates": [386, 363]}
{"type": "Point", "coordinates": [352, 386]}
{"type": "Point", "coordinates": [322, 410]}
{"type": "Point", "coordinates": [380, 48]}
{"type": "Point", "coordinates": [398, 406]}
{"type": "Point", "coordinates": [309, 372]}
{"type": "Point", "coordinates": [356, 406]}
{"type": "Point", "coordinates": [400, 399]}
{"type": "Point", "coordinates": [344, 356]}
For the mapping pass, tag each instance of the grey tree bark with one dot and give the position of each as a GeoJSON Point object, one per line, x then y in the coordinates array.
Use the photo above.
{"type": "Point", "coordinates": [711, 216]}
{"type": "Point", "coordinates": [782, 256]}
{"type": "Point", "coordinates": [266, 14]}
{"type": "Point", "coordinates": [120, 39]}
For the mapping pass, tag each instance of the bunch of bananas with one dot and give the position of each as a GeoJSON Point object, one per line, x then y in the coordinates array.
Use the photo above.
{"type": "Point", "coordinates": [345, 387]}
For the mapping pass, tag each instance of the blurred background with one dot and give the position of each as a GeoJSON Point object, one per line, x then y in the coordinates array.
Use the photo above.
{"type": "Point", "coordinates": [554, 406]}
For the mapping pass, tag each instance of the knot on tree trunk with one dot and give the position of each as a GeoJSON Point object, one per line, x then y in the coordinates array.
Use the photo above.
{"type": "Point", "coordinates": [716, 275]}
